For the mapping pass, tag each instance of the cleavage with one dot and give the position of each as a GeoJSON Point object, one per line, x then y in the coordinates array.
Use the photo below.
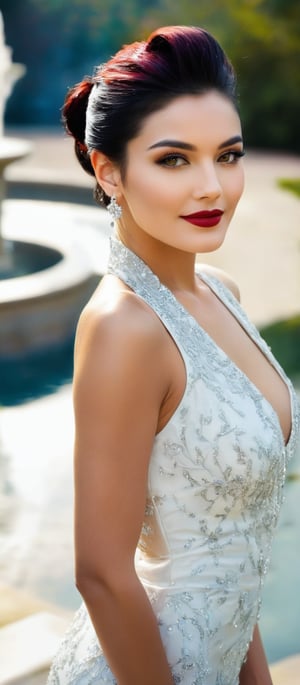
{"type": "Point", "coordinates": [228, 334]}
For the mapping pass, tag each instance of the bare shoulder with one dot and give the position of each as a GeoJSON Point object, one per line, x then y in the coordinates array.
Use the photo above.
{"type": "Point", "coordinates": [115, 310]}
{"type": "Point", "coordinates": [223, 277]}
{"type": "Point", "coordinates": [116, 328]}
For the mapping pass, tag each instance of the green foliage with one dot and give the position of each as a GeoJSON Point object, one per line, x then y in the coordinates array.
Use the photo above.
{"type": "Point", "coordinates": [291, 184]}
{"type": "Point", "coordinates": [284, 339]}
{"type": "Point", "coordinates": [60, 40]}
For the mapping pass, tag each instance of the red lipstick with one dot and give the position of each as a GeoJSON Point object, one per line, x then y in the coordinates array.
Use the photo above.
{"type": "Point", "coordinates": [205, 219]}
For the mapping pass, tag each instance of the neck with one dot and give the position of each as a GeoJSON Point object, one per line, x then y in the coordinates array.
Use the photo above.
{"type": "Point", "coordinates": [175, 268]}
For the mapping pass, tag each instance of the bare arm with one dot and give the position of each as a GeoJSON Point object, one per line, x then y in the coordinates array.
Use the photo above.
{"type": "Point", "coordinates": [255, 670]}
{"type": "Point", "coordinates": [118, 389]}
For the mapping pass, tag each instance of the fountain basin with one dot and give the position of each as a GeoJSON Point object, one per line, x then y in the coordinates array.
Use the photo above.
{"type": "Point", "coordinates": [42, 308]}
{"type": "Point", "coordinates": [24, 258]}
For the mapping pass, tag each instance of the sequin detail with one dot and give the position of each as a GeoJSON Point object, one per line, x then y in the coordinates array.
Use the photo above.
{"type": "Point", "coordinates": [215, 488]}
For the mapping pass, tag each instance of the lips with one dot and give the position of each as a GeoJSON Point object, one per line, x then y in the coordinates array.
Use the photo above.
{"type": "Point", "coordinates": [206, 219]}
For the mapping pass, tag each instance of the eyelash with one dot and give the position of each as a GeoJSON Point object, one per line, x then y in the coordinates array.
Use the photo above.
{"type": "Point", "coordinates": [237, 154]}
{"type": "Point", "coordinates": [163, 161]}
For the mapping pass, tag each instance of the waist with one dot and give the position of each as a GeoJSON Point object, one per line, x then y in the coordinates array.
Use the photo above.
{"type": "Point", "coordinates": [206, 573]}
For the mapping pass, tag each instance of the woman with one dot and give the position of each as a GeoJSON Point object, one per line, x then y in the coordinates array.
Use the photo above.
{"type": "Point", "coordinates": [184, 420]}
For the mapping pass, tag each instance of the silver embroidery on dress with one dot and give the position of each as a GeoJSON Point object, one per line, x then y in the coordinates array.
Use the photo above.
{"type": "Point", "coordinates": [215, 486]}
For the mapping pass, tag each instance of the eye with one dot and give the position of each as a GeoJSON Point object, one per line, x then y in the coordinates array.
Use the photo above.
{"type": "Point", "coordinates": [172, 161]}
{"type": "Point", "coordinates": [231, 156]}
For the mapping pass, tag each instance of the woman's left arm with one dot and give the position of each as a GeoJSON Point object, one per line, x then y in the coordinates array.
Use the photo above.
{"type": "Point", "coordinates": [255, 670]}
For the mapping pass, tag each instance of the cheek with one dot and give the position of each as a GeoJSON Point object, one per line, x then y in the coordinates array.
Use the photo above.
{"type": "Point", "coordinates": [137, 185]}
{"type": "Point", "coordinates": [236, 186]}
{"type": "Point", "coordinates": [144, 188]}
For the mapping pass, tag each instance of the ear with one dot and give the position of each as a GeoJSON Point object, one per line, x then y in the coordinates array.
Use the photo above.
{"type": "Point", "coordinates": [106, 172]}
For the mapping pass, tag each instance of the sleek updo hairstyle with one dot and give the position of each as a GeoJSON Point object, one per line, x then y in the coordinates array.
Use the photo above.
{"type": "Point", "coordinates": [106, 111]}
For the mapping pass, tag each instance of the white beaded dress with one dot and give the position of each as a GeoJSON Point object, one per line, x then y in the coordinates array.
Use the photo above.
{"type": "Point", "coordinates": [215, 485]}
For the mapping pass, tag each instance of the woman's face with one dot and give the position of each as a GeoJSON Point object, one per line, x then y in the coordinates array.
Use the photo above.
{"type": "Point", "coordinates": [184, 174]}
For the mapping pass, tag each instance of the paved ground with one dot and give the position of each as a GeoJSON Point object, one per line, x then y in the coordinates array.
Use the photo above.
{"type": "Point", "coordinates": [262, 249]}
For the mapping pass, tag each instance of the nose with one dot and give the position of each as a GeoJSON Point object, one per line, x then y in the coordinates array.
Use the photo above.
{"type": "Point", "coordinates": [207, 183]}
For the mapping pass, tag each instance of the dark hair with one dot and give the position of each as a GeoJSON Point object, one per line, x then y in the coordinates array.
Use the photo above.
{"type": "Point", "coordinates": [107, 110]}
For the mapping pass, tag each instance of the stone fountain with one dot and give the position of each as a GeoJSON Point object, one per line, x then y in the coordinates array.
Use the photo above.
{"type": "Point", "coordinates": [11, 149]}
{"type": "Point", "coordinates": [47, 273]}
{"type": "Point", "coordinates": [9, 73]}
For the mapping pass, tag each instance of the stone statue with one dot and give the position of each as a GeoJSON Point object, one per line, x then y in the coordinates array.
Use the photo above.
{"type": "Point", "coordinates": [9, 73]}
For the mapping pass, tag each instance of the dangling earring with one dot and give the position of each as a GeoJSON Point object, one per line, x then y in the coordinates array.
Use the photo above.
{"type": "Point", "coordinates": [114, 209]}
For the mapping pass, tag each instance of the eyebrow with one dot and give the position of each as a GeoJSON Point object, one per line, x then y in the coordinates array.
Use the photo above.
{"type": "Point", "coordinates": [187, 146]}
{"type": "Point", "coordinates": [231, 141]}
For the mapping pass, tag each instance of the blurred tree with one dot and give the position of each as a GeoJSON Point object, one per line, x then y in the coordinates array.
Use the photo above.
{"type": "Point", "coordinates": [61, 40]}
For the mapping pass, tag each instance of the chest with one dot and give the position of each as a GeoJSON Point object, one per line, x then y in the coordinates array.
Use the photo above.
{"type": "Point", "coordinates": [229, 338]}
{"type": "Point", "coordinates": [222, 451]}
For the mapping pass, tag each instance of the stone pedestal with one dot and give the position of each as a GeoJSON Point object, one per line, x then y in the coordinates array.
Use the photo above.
{"type": "Point", "coordinates": [11, 150]}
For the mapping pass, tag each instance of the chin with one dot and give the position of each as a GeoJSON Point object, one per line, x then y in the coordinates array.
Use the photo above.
{"type": "Point", "coordinates": [210, 244]}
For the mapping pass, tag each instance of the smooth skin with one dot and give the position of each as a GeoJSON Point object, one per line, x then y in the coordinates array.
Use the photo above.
{"type": "Point", "coordinates": [129, 376]}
